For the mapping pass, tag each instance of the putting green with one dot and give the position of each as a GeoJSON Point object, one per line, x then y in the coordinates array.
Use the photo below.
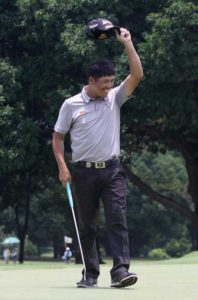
{"type": "Point", "coordinates": [56, 281]}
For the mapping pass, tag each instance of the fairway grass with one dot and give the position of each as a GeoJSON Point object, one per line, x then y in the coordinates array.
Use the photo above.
{"type": "Point", "coordinates": [175, 279]}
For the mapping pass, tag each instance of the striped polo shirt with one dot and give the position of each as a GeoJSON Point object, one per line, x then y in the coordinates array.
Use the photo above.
{"type": "Point", "coordinates": [94, 125]}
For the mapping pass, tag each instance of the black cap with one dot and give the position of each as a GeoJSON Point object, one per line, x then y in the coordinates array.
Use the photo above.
{"type": "Point", "coordinates": [100, 29]}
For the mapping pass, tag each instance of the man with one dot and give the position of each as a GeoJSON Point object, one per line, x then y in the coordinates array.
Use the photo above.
{"type": "Point", "coordinates": [6, 255]}
{"type": "Point", "coordinates": [93, 119]}
{"type": "Point", "coordinates": [14, 255]}
{"type": "Point", "coordinates": [67, 255]}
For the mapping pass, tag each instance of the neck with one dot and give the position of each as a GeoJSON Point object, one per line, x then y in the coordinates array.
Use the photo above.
{"type": "Point", "coordinates": [91, 93]}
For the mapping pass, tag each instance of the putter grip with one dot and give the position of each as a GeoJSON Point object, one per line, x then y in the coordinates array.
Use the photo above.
{"type": "Point", "coordinates": [69, 194]}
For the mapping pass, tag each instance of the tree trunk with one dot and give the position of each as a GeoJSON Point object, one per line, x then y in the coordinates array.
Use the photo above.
{"type": "Point", "coordinates": [192, 169]}
{"type": "Point", "coordinates": [166, 201]}
{"type": "Point", "coordinates": [58, 248]}
{"type": "Point", "coordinates": [22, 228]}
{"type": "Point", "coordinates": [187, 148]}
{"type": "Point", "coordinates": [21, 249]}
{"type": "Point", "coordinates": [195, 236]}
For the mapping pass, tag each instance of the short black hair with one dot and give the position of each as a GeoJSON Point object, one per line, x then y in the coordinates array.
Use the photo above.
{"type": "Point", "coordinates": [101, 68]}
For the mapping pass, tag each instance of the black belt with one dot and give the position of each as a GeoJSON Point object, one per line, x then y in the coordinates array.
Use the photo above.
{"type": "Point", "coordinates": [96, 165]}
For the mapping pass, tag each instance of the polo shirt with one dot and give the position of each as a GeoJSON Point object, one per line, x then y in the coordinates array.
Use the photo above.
{"type": "Point", "coordinates": [94, 125]}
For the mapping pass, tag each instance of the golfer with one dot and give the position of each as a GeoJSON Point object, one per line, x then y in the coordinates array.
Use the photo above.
{"type": "Point", "coordinates": [93, 119]}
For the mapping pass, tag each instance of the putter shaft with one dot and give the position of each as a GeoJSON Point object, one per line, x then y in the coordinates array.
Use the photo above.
{"type": "Point", "coordinates": [68, 188]}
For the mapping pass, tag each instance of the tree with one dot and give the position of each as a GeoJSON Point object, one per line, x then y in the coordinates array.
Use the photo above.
{"type": "Point", "coordinates": [152, 225]}
{"type": "Point", "coordinates": [43, 55]}
{"type": "Point", "coordinates": [39, 44]}
{"type": "Point", "coordinates": [24, 147]}
{"type": "Point", "coordinates": [166, 115]}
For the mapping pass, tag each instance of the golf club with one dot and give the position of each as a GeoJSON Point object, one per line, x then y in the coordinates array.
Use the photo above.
{"type": "Point", "coordinates": [69, 194]}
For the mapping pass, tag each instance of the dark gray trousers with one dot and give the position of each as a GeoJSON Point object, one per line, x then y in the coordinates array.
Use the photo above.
{"type": "Point", "coordinates": [91, 185]}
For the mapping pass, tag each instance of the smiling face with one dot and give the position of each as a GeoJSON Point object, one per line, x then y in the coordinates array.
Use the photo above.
{"type": "Point", "coordinates": [99, 87]}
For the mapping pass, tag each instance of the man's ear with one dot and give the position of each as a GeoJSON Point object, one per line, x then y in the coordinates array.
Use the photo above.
{"type": "Point", "coordinates": [92, 80]}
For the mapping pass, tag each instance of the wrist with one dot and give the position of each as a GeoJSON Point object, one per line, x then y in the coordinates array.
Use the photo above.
{"type": "Point", "coordinates": [128, 44]}
{"type": "Point", "coordinates": [62, 167]}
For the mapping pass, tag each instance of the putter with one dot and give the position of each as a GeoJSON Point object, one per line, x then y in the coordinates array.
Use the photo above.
{"type": "Point", "coordinates": [71, 203]}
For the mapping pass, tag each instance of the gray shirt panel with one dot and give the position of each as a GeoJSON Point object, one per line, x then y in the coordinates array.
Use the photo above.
{"type": "Point", "coordinates": [94, 125]}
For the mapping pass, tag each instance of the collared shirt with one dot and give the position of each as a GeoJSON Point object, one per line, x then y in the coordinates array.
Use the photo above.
{"type": "Point", "coordinates": [94, 125]}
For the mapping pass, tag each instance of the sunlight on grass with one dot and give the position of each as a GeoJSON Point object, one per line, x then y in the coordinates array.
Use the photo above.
{"type": "Point", "coordinates": [57, 281]}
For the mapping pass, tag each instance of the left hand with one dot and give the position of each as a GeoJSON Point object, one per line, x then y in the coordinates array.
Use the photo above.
{"type": "Point", "coordinates": [124, 36]}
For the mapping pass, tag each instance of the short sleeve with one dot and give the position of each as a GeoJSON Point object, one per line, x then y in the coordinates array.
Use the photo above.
{"type": "Point", "coordinates": [64, 120]}
{"type": "Point", "coordinates": [120, 94]}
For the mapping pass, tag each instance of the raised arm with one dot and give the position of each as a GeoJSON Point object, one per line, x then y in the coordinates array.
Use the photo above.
{"type": "Point", "coordinates": [136, 71]}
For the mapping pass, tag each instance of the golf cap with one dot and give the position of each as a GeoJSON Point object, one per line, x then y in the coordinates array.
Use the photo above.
{"type": "Point", "coordinates": [100, 29]}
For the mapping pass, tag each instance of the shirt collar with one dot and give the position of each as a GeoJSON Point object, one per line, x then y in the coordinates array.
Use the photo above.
{"type": "Point", "coordinates": [86, 98]}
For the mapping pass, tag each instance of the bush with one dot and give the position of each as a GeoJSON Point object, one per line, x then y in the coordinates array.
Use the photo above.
{"type": "Point", "coordinates": [158, 253]}
{"type": "Point", "coordinates": [30, 248]}
{"type": "Point", "coordinates": [177, 248]}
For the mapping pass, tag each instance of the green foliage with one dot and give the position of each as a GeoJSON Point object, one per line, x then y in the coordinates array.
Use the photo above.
{"type": "Point", "coordinates": [2, 233]}
{"type": "Point", "coordinates": [30, 248]}
{"type": "Point", "coordinates": [171, 46]}
{"type": "Point", "coordinates": [43, 55]}
{"type": "Point", "coordinates": [174, 26]}
{"type": "Point", "coordinates": [51, 217]}
{"type": "Point", "coordinates": [165, 173]}
{"type": "Point", "coordinates": [158, 253]}
{"type": "Point", "coordinates": [164, 115]}
{"type": "Point", "coordinates": [151, 224]}
{"type": "Point", "coordinates": [178, 248]}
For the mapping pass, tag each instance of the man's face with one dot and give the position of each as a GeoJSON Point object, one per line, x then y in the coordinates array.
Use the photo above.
{"type": "Point", "coordinates": [101, 86]}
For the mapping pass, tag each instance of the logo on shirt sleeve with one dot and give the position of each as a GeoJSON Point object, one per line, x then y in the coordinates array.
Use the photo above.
{"type": "Point", "coordinates": [82, 112]}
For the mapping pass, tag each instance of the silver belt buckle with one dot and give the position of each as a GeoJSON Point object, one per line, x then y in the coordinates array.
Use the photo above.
{"type": "Point", "coordinates": [88, 164]}
{"type": "Point", "coordinates": [100, 165]}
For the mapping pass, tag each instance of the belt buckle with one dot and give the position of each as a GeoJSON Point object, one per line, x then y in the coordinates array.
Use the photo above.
{"type": "Point", "coordinates": [88, 164]}
{"type": "Point", "coordinates": [100, 165]}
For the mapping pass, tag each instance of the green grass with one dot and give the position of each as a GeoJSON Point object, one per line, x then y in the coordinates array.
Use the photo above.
{"type": "Point", "coordinates": [191, 258]}
{"type": "Point", "coordinates": [174, 279]}
{"type": "Point", "coordinates": [33, 265]}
